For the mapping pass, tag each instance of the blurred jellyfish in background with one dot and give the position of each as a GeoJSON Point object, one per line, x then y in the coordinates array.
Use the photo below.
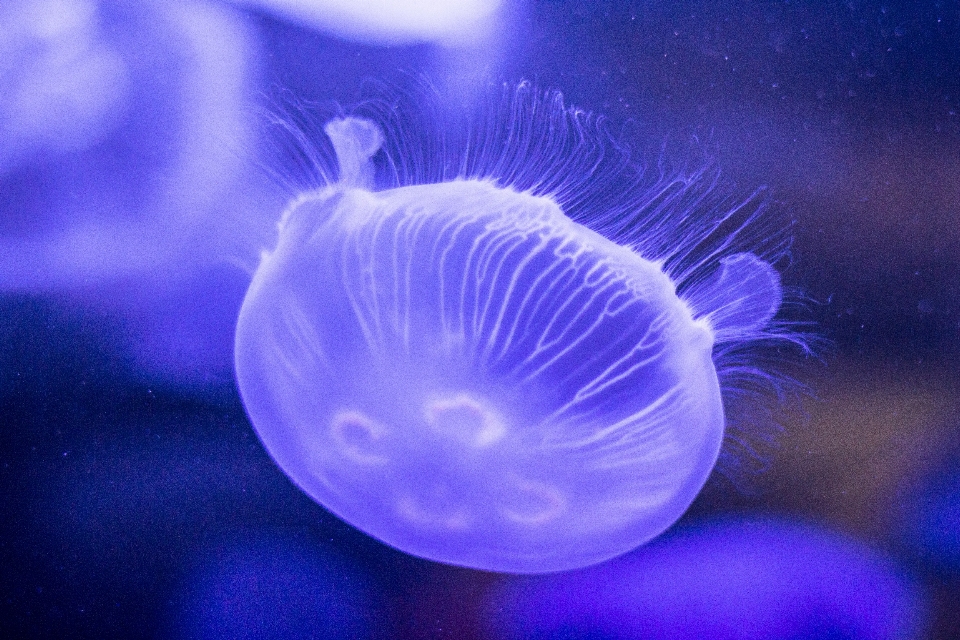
{"type": "Point", "coordinates": [727, 579]}
{"type": "Point", "coordinates": [275, 588]}
{"type": "Point", "coordinates": [128, 146]}
{"type": "Point", "coordinates": [64, 86]}
{"type": "Point", "coordinates": [391, 22]}
{"type": "Point", "coordinates": [508, 356]}
{"type": "Point", "coordinates": [928, 517]}
{"type": "Point", "coordinates": [457, 43]}
{"type": "Point", "coordinates": [123, 131]}
{"type": "Point", "coordinates": [122, 128]}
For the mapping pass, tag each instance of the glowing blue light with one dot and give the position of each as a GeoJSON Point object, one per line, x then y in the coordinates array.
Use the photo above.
{"type": "Point", "coordinates": [755, 578]}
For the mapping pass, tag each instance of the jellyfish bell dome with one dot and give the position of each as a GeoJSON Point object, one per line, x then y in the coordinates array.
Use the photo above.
{"type": "Point", "coordinates": [464, 372]}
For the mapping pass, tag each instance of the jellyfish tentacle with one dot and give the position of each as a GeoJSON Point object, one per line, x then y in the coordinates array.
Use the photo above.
{"type": "Point", "coordinates": [355, 141]}
{"type": "Point", "coordinates": [740, 298]}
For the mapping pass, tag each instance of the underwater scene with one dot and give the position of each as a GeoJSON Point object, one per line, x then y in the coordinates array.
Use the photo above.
{"type": "Point", "coordinates": [480, 319]}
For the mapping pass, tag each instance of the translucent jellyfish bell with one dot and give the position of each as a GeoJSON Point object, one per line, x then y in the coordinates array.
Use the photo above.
{"type": "Point", "coordinates": [461, 370]}
{"type": "Point", "coordinates": [389, 22]}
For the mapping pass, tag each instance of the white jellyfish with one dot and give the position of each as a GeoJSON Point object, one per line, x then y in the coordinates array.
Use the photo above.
{"type": "Point", "coordinates": [389, 22]}
{"type": "Point", "coordinates": [483, 360]}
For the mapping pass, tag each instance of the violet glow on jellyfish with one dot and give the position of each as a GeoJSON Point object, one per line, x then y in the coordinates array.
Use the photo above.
{"type": "Point", "coordinates": [729, 579]}
{"type": "Point", "coordinates": [480, 356]}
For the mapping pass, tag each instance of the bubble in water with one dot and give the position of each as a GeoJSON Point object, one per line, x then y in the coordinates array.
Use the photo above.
{"type": "Point", "coordinates": [490, 365]}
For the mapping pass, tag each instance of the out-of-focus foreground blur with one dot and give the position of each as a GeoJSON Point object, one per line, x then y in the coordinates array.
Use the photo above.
{"type": "Point", "coordinates": [134, 203]}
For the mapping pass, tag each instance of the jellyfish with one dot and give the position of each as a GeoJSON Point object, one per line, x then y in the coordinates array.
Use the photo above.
{"type": "Point", "coordinates": [484, 360]}
{"type": "Point", "coordinates": [393, 22]}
